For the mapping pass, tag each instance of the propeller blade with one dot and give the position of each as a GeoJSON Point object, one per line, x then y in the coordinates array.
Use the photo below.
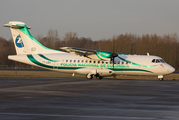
{"type": "Point", "coordinates": [113, 62]}
{"type": "Point", "coordinates": [113, 46]}
{"type": "Point", "coordinates": [113, 55]}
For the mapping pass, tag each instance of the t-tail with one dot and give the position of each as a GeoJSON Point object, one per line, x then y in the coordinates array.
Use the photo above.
{"type": "Point", "coordinates": [24, 42]}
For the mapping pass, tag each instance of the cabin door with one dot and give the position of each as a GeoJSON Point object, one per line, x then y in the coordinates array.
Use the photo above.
{"type": "Point", "coordinates": [55, 65]}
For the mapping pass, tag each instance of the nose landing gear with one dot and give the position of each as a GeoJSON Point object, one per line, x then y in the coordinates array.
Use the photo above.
{"type": "Point", "coordinates": [160, 77]}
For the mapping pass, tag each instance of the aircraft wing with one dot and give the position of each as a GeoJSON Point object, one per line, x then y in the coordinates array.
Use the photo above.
{"type": "Point", "coordinates": [79, 51]}
{"type": "Point", "coordinates": [92, 54]}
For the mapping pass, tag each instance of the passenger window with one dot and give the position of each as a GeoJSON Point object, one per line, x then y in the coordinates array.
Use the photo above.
{"type": "Point", "coordinates": [102, 62]}
{"type": "Point", "coordinates": [74, 61]}
{"type": "Point", "coordinates": [126, 63]}
{"type": "Point", "coordinates": [122, 62]}
{"type": "Point", "coordinates": [78, 61]}
{"type": "Point", "coordinates": [66, 60]}
{"type": "Point", "coordinates": [94, 61]}
{"type": "Point", "coordinates": [70, 60]}
{"type": "Point", "coordinates": [82, 61]}
{"type": "Point", "coordinates": [86, 61]}
{"type": "Point", "coordinates": [106, 62]}
{"type": "Point", "coordinates": [90, 61]}
{"type": "Point", "coordinates": [98, 62]}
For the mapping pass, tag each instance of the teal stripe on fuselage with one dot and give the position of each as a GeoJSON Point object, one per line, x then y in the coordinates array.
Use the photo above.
{"type": "Point", "coordinates": [44, 57]}
{"type": "Point", "coordinates": [136, 63]}
{"type": "Point", "coordinates": [98, 56]}
{"type": "Point", "coordinates": [32, 59]}
{"type": "Point", "coordinates": [129, 69]}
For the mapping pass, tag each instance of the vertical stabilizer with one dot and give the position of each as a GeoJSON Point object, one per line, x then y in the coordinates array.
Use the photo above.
{"type": "Point", "coordinates": [24, 42]}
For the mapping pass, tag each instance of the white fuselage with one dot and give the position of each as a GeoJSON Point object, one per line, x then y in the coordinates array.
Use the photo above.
{"type": "Point", "coordinates": [123, 64]}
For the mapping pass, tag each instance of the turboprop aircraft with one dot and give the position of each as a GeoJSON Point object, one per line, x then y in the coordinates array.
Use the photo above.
{"type": "Point", "coordinates": [92, 63]}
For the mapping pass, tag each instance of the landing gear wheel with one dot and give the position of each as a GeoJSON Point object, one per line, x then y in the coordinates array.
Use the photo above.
{"type": "Point", "coordinates": [89, 76]}
{"type": "Point", "coordinates": [99, 77]}
{"type": "Point", "coordinates": [161, 79]}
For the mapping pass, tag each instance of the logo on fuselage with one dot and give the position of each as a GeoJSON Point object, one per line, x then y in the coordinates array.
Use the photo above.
{"type": "Point", "coordinates": [19, 42]}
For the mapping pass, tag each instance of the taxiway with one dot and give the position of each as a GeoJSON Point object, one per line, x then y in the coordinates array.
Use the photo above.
{"type": "Point", "coordinates": [81, 99]}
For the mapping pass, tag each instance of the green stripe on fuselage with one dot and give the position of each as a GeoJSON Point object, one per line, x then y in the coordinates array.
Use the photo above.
{"type": "Point", "coordinates": [44, 57]}
{"type": "Point", "coordinates": [98, 56]}
{"type": "Point", "coordinates": [129, 69]}
{"type": "Point", "coordinates": [32, 59]}
{"type": "Point", "coordinates": [136, 63]}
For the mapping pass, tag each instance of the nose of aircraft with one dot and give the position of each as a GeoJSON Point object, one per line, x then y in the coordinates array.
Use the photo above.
{"type": "Point", "coordinates": [170, 69]}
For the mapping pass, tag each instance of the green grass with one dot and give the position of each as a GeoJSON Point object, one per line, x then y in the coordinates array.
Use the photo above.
{"type": "Point", "coordinates": [53, 74]}
{"type": "Point", "coordinates": [37, 74]}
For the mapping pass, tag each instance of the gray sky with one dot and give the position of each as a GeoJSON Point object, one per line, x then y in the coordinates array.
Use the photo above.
{"type": "Point", "coordinates": [96, 19]}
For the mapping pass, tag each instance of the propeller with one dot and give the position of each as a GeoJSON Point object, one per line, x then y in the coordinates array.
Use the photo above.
{"type": "Point", "coordinates": [113, 55]}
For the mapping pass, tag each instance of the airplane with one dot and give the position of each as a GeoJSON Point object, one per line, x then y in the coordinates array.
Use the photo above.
{"type": "Point", "coordinates": [92, 63]}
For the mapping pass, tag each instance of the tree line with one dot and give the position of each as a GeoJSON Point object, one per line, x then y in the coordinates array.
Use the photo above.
{"type": "Point", "coordinates": [165, 46]}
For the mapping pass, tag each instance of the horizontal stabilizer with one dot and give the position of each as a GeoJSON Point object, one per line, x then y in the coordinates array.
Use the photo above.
{"type": "Point", "coordinates": [16, 25]}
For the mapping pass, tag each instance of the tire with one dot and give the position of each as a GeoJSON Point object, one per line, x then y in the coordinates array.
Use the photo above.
{"type": "Point", "coordinates": [161, 79]}
{"type": "Point", "coordinates": [99, 77]}
{"type": "Point", "coordinates": [91, 76]}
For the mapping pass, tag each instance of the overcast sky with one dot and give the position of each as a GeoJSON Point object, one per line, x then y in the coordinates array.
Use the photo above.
{"type": "Point", "coordinates": [96, 19]}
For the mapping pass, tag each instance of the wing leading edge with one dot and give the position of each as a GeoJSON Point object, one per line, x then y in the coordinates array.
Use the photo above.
{"type": "Point", "coordinates": [91, 54]}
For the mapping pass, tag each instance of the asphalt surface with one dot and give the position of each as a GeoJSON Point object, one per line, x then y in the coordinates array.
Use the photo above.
{"type": "Point", "coordinates": [81, 99]}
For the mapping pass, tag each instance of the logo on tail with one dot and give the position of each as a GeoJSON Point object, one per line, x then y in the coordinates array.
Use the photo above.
{"type": "Point", "coordinates": [19, 42]}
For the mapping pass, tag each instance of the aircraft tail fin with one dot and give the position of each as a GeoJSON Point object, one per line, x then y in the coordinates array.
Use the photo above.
{"type": "Point", "coordinates": [24, 42]}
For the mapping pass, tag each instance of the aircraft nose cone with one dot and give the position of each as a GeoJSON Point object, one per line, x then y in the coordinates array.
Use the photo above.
{"type": "Point", "coordinates": [171, 69]}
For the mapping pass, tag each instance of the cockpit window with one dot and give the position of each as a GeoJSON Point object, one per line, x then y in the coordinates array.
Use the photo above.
{"type": "Point", "coordinates": [161, 60]}
{"type": "Point", "coordinates": [158, 61]}
{"type": "Point", "coordinates": [153, 60]}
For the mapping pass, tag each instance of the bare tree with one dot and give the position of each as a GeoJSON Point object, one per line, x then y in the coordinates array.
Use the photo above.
{"type": "Point", "coordinates": [71, 39]}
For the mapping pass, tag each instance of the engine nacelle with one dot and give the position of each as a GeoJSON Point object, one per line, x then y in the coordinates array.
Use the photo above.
{"type": "Point", "coordinates": [105, 72]}
{"type": "Point", "coordinates": [98, 72]}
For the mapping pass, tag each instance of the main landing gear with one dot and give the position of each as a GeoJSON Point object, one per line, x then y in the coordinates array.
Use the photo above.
{"type": "Point", "coordinates": [90, 76]}
{"type": "Point", "coordinates": [99, 77]}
